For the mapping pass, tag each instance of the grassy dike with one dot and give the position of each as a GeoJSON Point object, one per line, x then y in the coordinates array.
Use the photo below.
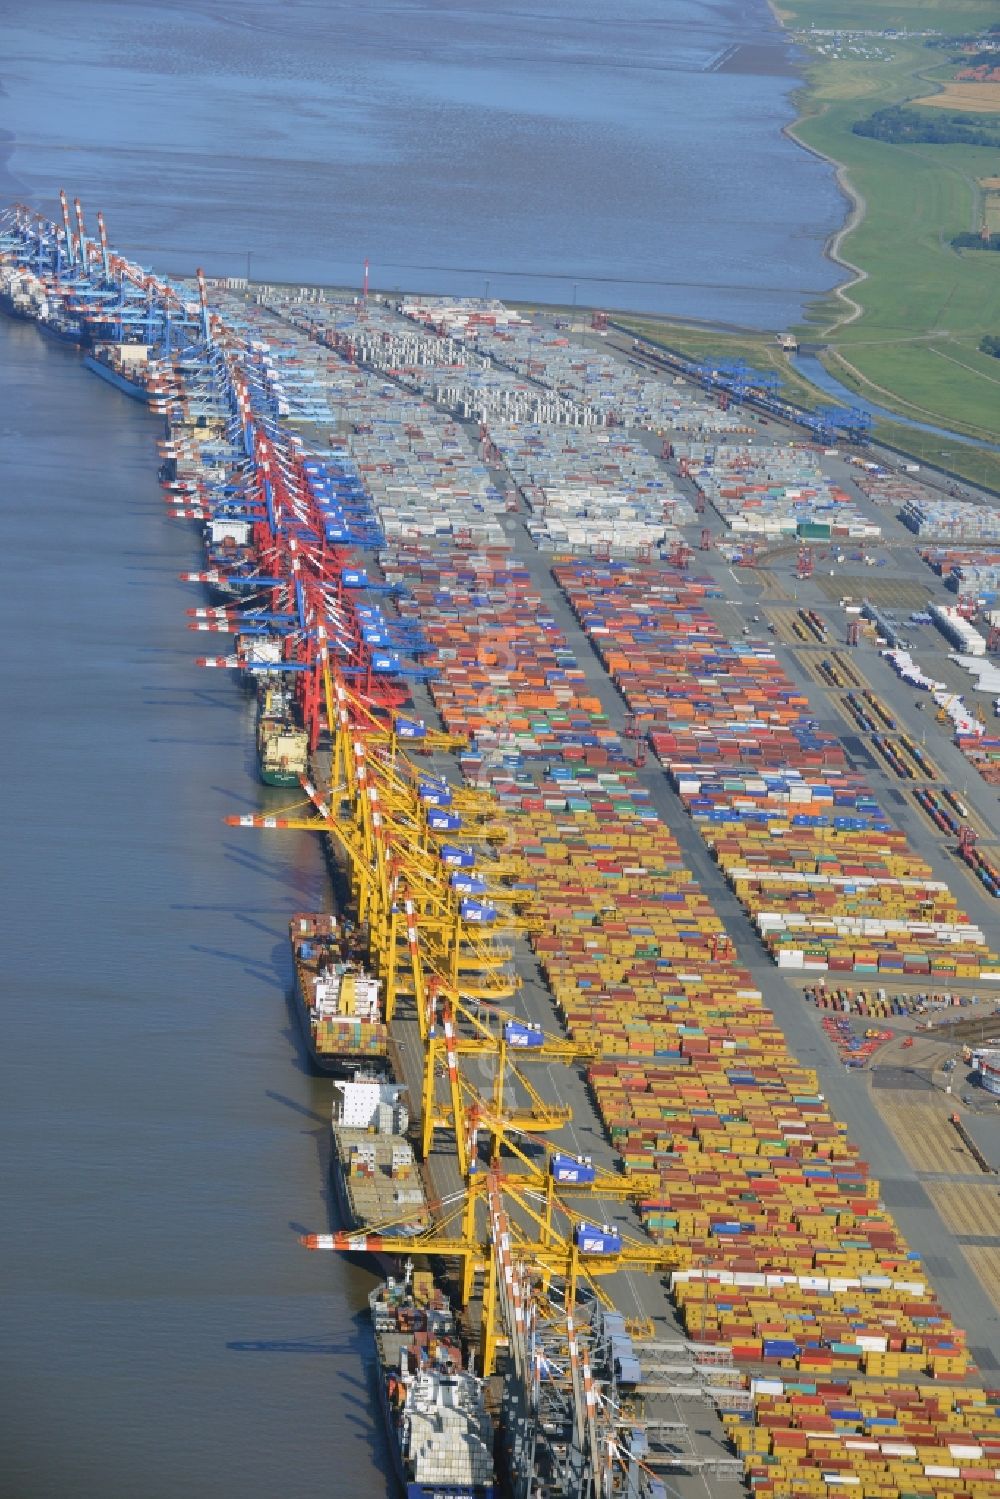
{"type": "Point", "coordinates": [977, 465]}
{"type": "Point", "coordinates": [905, 331]}
{"type": "Point", "coordinates": [759, 350]}
{"type": "Point", "coordinates": [912, 346]}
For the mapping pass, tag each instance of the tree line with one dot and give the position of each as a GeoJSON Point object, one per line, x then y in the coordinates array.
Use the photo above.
{"type": "Point", "coordinates": [970, 241]}
{"type": "Point", "coordinates": [897, 125]}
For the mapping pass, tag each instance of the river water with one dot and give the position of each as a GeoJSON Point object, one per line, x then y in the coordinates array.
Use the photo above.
{"type": "Point", "coordinates": [627, 155]}
{"type": "Point", "coordinates": [161, 1332]}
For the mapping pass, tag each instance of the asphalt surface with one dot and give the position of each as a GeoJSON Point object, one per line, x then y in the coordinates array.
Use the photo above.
{"type": "Point", "coordinates": [848, 1093]}
{"type": "Point", "coordinates": [636, 1293]}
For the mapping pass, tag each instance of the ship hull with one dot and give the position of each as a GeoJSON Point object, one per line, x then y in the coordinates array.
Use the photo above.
{"type": "Point", "coordinates": [226, 591]}
{"type": "Point", "coordinates": [61, 335]}
{"type": "Point", "coordinates": [347, 1217]}
{"type": "Point", "coordinates": [19, 314]}
{"type": "Point", "coordinates": [342, 1064]}
{"type": "Point", "coordinates": [388, 1264]}
{"type": "Point", "coordinates": [284, 778]}
{"type": "Point", "coordinates": [331, 1064]}
{"type": "Point", "coordinates": [128, 387]}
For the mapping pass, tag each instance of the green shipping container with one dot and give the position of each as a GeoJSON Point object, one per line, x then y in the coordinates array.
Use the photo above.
{"type": "Point", "coordinates": [814, 530]}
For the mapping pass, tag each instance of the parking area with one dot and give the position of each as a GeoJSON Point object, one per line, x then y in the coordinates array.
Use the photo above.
{"type": "Point", "coordinates": [968, 1208]}
{"type": "Point", "coordinates": [886, 592]}
{"type": "Point", "coordinates": [985, 1263]}
{"type": "Point", "coordinates": [919, 1119]}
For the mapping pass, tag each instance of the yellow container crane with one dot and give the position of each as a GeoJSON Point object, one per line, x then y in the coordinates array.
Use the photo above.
{"type": "Point", "coordinates": [578, 1255]}
{"type": "Point", "coordinates": [392, 823]}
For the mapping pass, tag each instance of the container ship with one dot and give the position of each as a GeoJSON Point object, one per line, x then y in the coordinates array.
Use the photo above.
{"type": "Point", "coordinates": [336, 1000]}
{"type": "Point", "coordinates": [229, 551]}
{"type": "Point", "coordinates": [125, 366]}
{"type": "Point", "coordinates": [259, 654]}
{"type": "Point", "coordinates": [375, 1175]}
{"type": "Point", "coordinates": [282, 744]}
{"type": "Point", "coordinates": [61, 325]}
{"type": "Point", "coordinates": [22, 295]}
{"type": "Point", "coordinates": [440, 1434]}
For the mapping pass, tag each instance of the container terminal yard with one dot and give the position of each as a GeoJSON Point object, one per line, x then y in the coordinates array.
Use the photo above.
{"type": "Point", "coordinates": [653, 741]}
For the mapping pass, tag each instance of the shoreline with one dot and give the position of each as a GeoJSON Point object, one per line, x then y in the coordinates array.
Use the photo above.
{"type": "Point", "coordinates": [856, 209]}
{"type": "Point", "coordinates": [827, 104]}
{"type": "Point", "coordinates": [856, 205]}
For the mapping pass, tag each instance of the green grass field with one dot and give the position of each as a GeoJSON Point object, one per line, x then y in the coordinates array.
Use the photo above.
{"type": "Point", "coordinates": [978, 465]}
{"type": "Point", "coordinates": [925, 305]}
{"type": "Point", "coordinates": [920, 312]}
{"type": "Point", "coordinates": [876, 15]}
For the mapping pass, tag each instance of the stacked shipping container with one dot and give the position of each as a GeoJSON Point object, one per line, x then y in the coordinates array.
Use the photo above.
{"type": "Point", "coordinates": [928, 514]}
{"type": "Point", "coordinates": [797, 1265]}
{"type": "Point", "coordinates": [591, 489]}
{"type": "Point", "coordinates": [828, 883]}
